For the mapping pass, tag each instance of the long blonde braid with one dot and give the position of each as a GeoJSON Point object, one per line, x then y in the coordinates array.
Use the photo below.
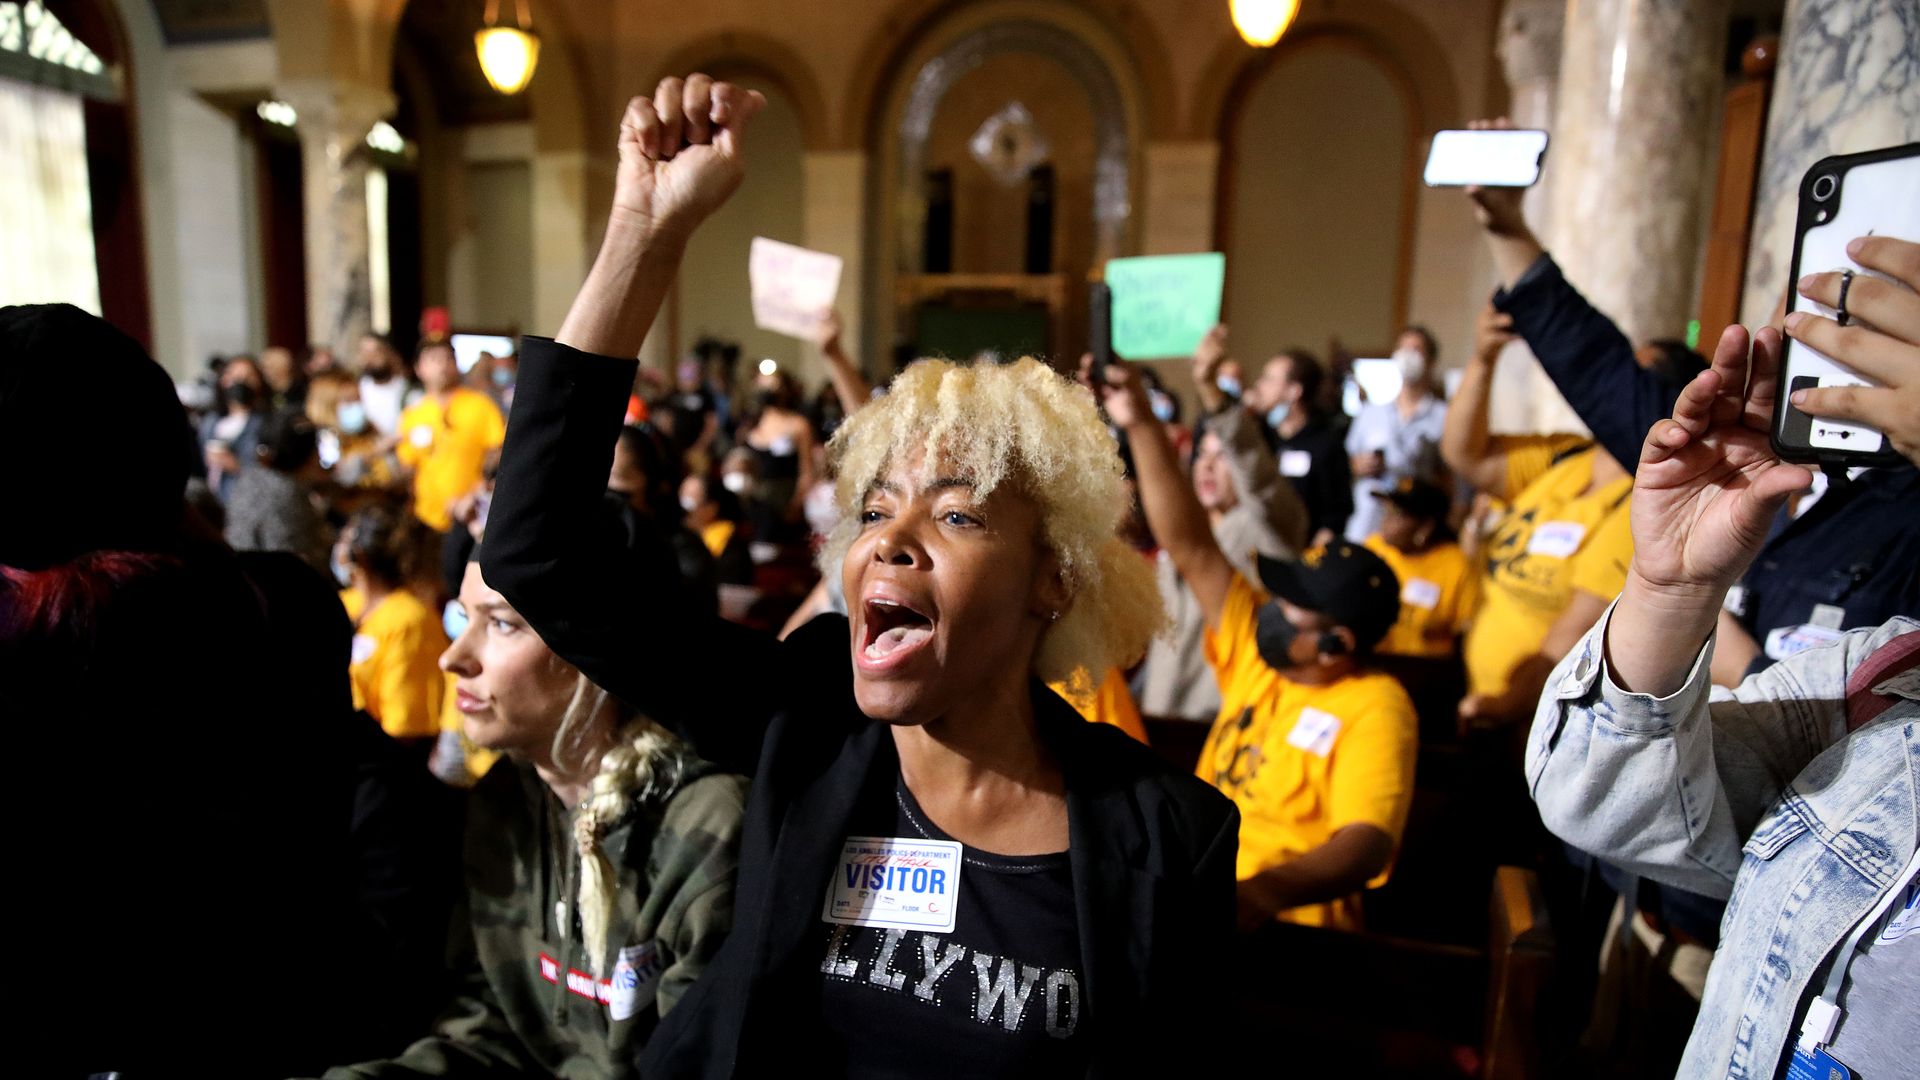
{"type": "Point", "coordinates": [645, 762]}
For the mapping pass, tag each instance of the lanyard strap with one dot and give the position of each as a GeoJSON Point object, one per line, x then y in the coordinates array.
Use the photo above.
{"type": "Point", "coordinates": [1823, 1015]}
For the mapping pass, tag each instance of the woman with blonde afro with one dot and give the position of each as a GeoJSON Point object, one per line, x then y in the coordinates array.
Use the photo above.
{"type": "Point", "coordinates": [944, 870]}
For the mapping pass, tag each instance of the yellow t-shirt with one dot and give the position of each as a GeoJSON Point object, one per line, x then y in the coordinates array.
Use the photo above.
{"type": "Point", "coordinates": [1111, 703]}
{"type": "Point", "coordinates": [1438, 591]}
{"type": "Point", "coordinates": [1302, 762]}
{"type": "Point", "coordinates": [395, 667]}
{"type": "Point", "coordinates": [1553, 540]}
{"type": "Point", "coordinates": [447, 450]}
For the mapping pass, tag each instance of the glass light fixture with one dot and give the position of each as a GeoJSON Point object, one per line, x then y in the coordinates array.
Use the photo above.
{"type": "Point", "coordinates": [1261, 22]}
{"type": "Point", "coordinates": [508, 54]}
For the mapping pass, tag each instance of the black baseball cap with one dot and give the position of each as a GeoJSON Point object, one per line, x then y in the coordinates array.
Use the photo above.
{"type": "Point", "coordinates": [1421, 498]}
{"type": "Point", "coordinates": [1345, 582]}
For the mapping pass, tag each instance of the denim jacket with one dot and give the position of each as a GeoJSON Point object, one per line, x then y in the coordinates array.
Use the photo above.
{"type": "Point", "coordinates": [1758, 795]}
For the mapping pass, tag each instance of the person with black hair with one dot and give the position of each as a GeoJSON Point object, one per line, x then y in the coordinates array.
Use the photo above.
{"type": "Point", "coordinates": [229, 433]}
{"type": "Point", "coordinates": [1313, 744]}
{"type": "Point", "coordinates": [271, 506]}
{"type": "Point", "coordinates": [1310, 450]}
{"type": "Point", "coordinates": [714, 512]}
{"type": "Point", "coordinates": [397, 638]}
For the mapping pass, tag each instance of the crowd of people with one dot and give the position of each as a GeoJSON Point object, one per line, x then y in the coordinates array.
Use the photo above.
{"type": "Point", "coordinates": [558, 717]}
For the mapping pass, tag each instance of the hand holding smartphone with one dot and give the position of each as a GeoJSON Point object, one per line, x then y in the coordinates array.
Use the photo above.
{"type": "Point", "coordinates": [1870, 194]}
{"type": "Point", "coordinates": [1100, 330]}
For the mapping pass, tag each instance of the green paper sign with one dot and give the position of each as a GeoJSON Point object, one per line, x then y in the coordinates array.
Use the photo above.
{"type": "Point", "coordinates": [1164, 304]}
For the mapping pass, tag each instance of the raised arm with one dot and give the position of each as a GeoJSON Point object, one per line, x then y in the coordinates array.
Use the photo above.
{"type": "Point", "coordinates": [1206, 370]}
{"type": "Point", "coordinates": [1579, 347]}
{"type": "Point", "coordinates": [849, 385]}
{"type": "Point", "coordinates": [1173, 512]}
{"type": "Point", "coordinates": [624, 620]}
{"type": "Point", "coordinates": [1465, 444]}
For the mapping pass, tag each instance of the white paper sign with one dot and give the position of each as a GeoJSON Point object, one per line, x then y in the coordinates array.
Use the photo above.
{"type": "Point", "coordinates": [1315, 731]}
{"type": "Point", "coordinates": [791, 286]}
{"type": "Point", "coordinates": [895, 882]}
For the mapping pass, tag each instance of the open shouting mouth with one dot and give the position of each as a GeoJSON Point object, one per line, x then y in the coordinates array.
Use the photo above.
{"type": "Point", "coordinates": [893, 630]}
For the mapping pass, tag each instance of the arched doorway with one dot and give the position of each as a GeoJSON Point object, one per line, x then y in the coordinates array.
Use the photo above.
{"type": "Point", "coordinates": [1317, 203]}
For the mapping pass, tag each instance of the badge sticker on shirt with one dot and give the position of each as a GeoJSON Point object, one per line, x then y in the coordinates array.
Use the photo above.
{"type": "Point", "coordinates": [363, 646]}
{"type": "Point", "coordinates": [636, 979]}
{"type": "Point", "coordinates": [1295, 463]}
{"type": "Point", "coordinates": [1785, 641]}
{"type": "Point", "coordinates": [421, 436]}
{"type": "Point", "coordinates": [1420, 593]}
{"type": "Point", "coordinates": [897, 883]}
{"type": "Point", "coordinates": [1736, 601]}
{"type": "Point", "coordinates": [1557, 539]}
{"type": "Point", "coordinates": [1315, 731]}
{"type": "Point", "coordinates": [1828, 616]}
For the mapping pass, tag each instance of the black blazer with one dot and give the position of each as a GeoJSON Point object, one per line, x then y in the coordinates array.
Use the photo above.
{"type": "Point", "coordinates": [1151, 850]}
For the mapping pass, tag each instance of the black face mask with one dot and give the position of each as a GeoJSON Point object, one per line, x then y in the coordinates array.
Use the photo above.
{"type": "Point", "coordinates": [766, 399]}
{"type": "Point", "coordinates": [1273, 636]}
{"type": "Point", "coordinates": [240, 394]}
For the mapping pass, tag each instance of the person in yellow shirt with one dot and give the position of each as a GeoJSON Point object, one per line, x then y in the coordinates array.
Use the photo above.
{"type": "Point", "coordinates": [1553, 561]}
{"type": "Point", "coordinates": [1438, 585]}
{"type": "Point", "coordinates": [1313, 744]}
{"type": "Point", "coordinates": [397, 638]}
{"type": "Point", "coordinates": [445, 437]}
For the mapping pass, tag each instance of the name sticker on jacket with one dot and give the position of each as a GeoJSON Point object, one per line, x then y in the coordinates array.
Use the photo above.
{"type": "Point", "coordinates": [1557, 539]}
{"type": "Point", "coordinates": [636, 978]}
{"type": "Point", "coordinates": [897, 883]}
{"type": "Point", "coordinates": [1315, 731]}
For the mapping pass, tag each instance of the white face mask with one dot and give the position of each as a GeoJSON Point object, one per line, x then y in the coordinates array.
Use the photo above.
{"type": "Point", "coordinates": [736, 482]}
{"type": "Point", "coordinates": [689, 503]}
{"type": "Point", "coordinates": [1412, 365]}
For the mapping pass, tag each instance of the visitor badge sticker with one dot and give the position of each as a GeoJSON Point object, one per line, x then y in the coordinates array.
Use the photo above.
{"type": "Point", "coordinates": [1295, 463]}
{"type": "Point", "coordinates": [896, 883]}
{"type": "Point", "coordinates": [636, 979]}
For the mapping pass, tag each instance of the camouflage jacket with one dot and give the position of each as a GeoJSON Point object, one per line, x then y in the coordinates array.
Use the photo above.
{"type": "Point", "coordinates": [528, 1002]}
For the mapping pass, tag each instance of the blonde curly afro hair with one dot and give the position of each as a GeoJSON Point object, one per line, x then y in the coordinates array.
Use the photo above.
{"type": "Point", "coordinates": [1019, 423]}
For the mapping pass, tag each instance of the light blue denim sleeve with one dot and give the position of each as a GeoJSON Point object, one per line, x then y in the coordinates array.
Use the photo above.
{"type": "Point", "coordinates": [1670, 788]}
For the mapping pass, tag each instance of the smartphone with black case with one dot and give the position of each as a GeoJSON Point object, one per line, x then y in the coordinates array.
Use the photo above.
{"type": "Point", "coordinates": [1100, 331]}
{"type": "Point", "coordinates": [1876, 193]}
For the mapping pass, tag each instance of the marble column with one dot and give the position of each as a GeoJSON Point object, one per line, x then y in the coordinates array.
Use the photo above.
{"type": "Point", "coordinates": [1848, 81]}
{"type": "Point", "coordinates": [1524, 399]}
{"type": "Point", "coordinates": [1640, 84]}
{"type": "Point", "coordinates": [334, 118]}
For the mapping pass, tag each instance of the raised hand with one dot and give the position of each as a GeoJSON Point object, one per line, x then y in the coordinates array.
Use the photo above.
{"type": "Point", "coordinates": [1492, 330]}
{"type": "Point", "coordinates": [681, 154]}
{"type": "Point", "coordinates": [1211, 353]}
{"type": "Point", "coordinates": [1124, 396]}
{"type": "Point", "coordinates": [826, 332]}
{"type": "Point", "coordinates": [1709, 484]}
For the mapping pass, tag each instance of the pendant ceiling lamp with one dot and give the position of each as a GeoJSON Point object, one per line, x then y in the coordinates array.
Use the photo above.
{"type": "Point", "coordinates": [508, 54]}
{"type": "Point", "coordinates": [1261, 22]}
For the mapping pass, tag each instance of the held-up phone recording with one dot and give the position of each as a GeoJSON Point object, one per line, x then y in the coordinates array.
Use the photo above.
{"type": "Point", "coordinates": [1100, 332]}
{"type": "Point", "coordinates": [1876, 193]}
{"type": "Point", "coordinates": [1486, 158]}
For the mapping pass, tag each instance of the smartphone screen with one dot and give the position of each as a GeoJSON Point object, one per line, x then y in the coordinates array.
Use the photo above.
{"type": "Point", "coordinates": [1100, 330]}
{"type": "Point", "coordinates": [1877, 193]}
{"type": "Point", "coordinates": [1486, 158]}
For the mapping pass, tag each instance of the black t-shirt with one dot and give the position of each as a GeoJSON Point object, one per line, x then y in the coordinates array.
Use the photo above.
{"type": "Point", "coordinates": [1000, 996]}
